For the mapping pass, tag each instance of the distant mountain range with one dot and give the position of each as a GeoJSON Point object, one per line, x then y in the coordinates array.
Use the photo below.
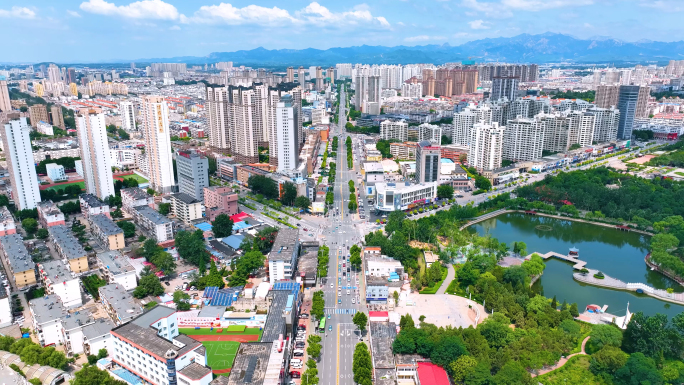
{"type": "Point", "coordinates": [543, 48]}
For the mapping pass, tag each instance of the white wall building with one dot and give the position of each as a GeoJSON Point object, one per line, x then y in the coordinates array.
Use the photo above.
{"type": "Point", "coordinates": [45, 128]}
{"type": "Point", "coordinates": [59, 280]}
{"type": "Point", "coordinates": [287, 141]}
{"type": "Point", "coordinates": [127, 110]}
{"type": "Point", "coordinates": [412, 90]}
{"type": "Point", "coordinates": [153, 224]}
{"type": "Point", "coordinates": [158, 143]}
{"type": "Point", "coordinates": [486, 146]}
{"type": "Point", "coordinates": [394, 130]}
{"type": "Point", "coordinates": [19, 154]}
{"type": "Point", "coordinates": [282, 260]}
{"type": "Point", "coordinates": [97, 166]}
{"type": "Point", "coordinates": [55, 172]}
{"type": "Point", "coordinates": [117, 268]}
{"type": "Point", "coordinates": [402, 196]}
{"type": "Point", "coordinates": [523, 139]}
{"type": "Point", "coordinates": [122, 158]}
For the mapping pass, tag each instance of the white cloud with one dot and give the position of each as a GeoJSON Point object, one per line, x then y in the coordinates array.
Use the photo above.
{"type": "Point", "coordinates": [538, 5]}
{"type": "Point", "coordinates": [175, 28]}
{"type": "Point", "coordinates": [314, 13]}
{"type": "Point", "coordinates": [73, 13]}
{"type": "Point", "coordinates": [19, 12]}
{"type": "Point", "coordinates": [414, 39]}
{"type": "Point", "coordinates": [663, 5]}
{"type": "Point", "coordinates": [145, 9]}
{"type": "Point", "coordinates": [494, 10]}
{"type": "Point", "coordinates": [478, 24]}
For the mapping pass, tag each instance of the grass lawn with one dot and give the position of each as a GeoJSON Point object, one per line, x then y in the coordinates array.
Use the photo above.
{"type": "Point", "coordinates": [134, 176]}
{"type": "Point", "coordinates": [62, 186]}
{"type": "Point", "coordinates": [421, 264]}
{"type": "Point", "coordinates": [207, 332]}
{"type": "Point", "coordinates": [575, 371]}
{"type": "Point", "coordinates": [221, 354]}
{"type": "Point", "coordinates": [433, 289]}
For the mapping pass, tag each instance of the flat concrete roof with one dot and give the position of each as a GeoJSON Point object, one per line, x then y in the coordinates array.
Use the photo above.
{"type": "Point", "coordinates": [383, 335]}
{"type": "Point", "coordinates": [101, 327]}
{"type": "Point", "coordinates": [275, 323]}
{"type": "Point", "coordinates": [195, 371]}
{"type": "Point", "coordinates": [152, 215]}
{"type": "Point", "coordinates": [106, 225]}
{"type": "Point", "coordinates": [56, 271]}
{"type": "Point", "coordinates": [46, 309]}
{"type": "Point", "coordinates": [250, 364]}
{"type": "Point", "coordinates": [284, 245]}
{"type": "Point", "coordinates": [120, 300]}
{"type": "Point", "coordinates": [92, 201]}
{"type": "Point", "coordinates": [115, 262]}
{"type": "Point", "coordinates": [212, 311]}
{"type": "Point", "coordinates": [17, 255]}
{"type": "Point", "coordinates": [67, 242]}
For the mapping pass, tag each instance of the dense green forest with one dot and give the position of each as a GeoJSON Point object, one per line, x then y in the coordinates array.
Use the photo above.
{"type": "Point", "coordinates": [589, 96]}
{"type": "Point", "coordinates": [675, 158]}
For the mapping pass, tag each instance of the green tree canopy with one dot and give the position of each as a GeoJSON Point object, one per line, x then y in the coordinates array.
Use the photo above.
{"type": "Point", "coordinates": [222, 226]}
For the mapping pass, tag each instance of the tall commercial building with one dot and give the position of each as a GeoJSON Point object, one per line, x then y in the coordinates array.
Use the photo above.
{"type": "Point", "coordinates": [632, 103]}
{"type": "Point", "coordinates": [504, 87]}
{"type": "Point", "coordinates": [70, 76]}
{"type": "Point", "coordinates": [428, 160]}
{"type": "Point", "coordinates": [486, 146]}
{"type": "Point", "coordinates": [38, 113]}
{"type": "Point", "coordinates": [523, 139]}
{"type": "Point", "coordinates": [193, 173]}
{"type": "Point", "coordinates": [5, 104]}
{"type": "Point", "coordinates": [607, 96]}
{"type": "Point", "coordinates": [97, 164]}
{"type": "Point", "coordinates": [57, 116]}
{"type": "Point", "coordinates": [158, 150]}
{"type": "Point", "coordinates": [288, 137]}
{"type": "Point", "coordinates": [289, 78]}
{"type": "Point", "coordinates": [17, 148]}
{"type": "Point", "coordinates": [301, 75]}
{"type": "Point", "coordinates": [360, 91]}
{"type": "Point", "coordinates": [127, 110]}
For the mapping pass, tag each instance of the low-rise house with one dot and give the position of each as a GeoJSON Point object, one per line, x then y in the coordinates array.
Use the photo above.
{"type": "Point", "coordinates": [7, 225]}
{"type": "Point", "coordinates": [68, 248]}
{"type": "Point", "coordinates": [58, 280]}
{"type": "Point", "coordinates": [5, 308]}
{"type": "Point", "coordinates": [185, 207]}
{"type": "Point", "coordinates": [46, 314]}
{"type": "Point", "coordinates": [117, 268]}
{"type": "Point", "coordinates": [153, 224]}
{"type": "Point", "coordinates": [134, 197]}
{"type": "Point", "coordinates": [107, 232]}
{"type": "Point", "coordinates": [22, 268]}
{"type": "Point", "coordinates": [118, 303]}
{"type": "Point", "coordinates": [91, 205]}
{"type": "Point", "coordinates": [55, 172]}
{"type": "Point", "coordinates": [97, 336]}
{"type": "Point", "coordinates": [49, 214]}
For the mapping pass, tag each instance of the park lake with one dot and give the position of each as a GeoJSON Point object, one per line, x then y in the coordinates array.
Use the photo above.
{"type": "Point", "coordinates": [616, 253]}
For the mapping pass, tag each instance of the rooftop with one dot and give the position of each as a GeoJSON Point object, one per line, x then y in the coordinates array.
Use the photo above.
{"type": "Point", "coordinates": [431, 374]}
{"type": "Point", "coordinates": [46, 309]}
{"type": "Point", "coordinates": [373, 167]}
{"type": "Point", "coordinates": [308, 263]}
{"type": "Point", "coordinates": [135, 193]}
{"type": "Point", "coordinates": [49, 208]}
{"type": "Point", "coordinates": [250, 364]}
{"type": "Point", "coordinates": [284, 245]}
{"type": "Point", "coordinates": [67, 242]}
{"type": "Point", "coordinates": [275, 323]}
{"type": "Point", "coordinates": [195, 371]}
{"type": "Point", "coordinates": [212, 311]}
{"type": "Point", "coordinates": [147, 338]}
{"type": "Point", "coordinates": [115, 262]}
{"type": "Point", "coordinates": [56, 271]}
{"type": "Point", "coordinates": [430, 257]}
{"type": "Point", "coordinates": [185, 198]}
{"type": "Point", "coordinates": [91, 200]}
{"type": "Point", "coordinates": [101, 327]}
{"type": "Point", "coordinates": [120, 300]}
{"type": "Point", "coordinates": [105, 224]}
{"type": "Point", "coordinates": [18, 256]}
{"type": "Point", "coordinates": [152, 215]}
{"type": "Point", "coordinates": [153, 315]}
{"type": "Point", "coordinates": [383, 334]}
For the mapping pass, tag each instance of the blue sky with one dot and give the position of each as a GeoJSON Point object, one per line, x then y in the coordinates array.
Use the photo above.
{"type": "Point", "coordinates": [101, 30]}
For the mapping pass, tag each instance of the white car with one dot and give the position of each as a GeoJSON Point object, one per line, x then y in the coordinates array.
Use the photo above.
{"type": "Point", "coordinates": [332, 285]}
{"type": "Point", "coordinates": [348, 292]}
{"type": "Point", "coordinates": [353, 300]}
{"type": "Point", "coordinates": [339, 293]}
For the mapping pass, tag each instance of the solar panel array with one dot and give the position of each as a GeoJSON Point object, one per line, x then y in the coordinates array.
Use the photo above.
{"type": "Point", "coordinates": [225, 297]}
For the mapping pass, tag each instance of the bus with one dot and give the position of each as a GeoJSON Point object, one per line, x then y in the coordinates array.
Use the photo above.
{"type": "Point", "coordinates": [321, 326]}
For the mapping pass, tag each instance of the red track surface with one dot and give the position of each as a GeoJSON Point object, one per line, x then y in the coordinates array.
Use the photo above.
{"type": "Point", "coordinates": [227, 337]}
{"type": "Point", "coordinates": [221, 371]}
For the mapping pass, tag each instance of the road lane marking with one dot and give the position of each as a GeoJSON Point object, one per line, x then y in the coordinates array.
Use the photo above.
{"type": "Point", "coordinates": [338, 355]}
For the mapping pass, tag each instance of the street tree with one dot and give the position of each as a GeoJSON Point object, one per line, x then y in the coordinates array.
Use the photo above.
{"type": "Point", "coordinates": [222, 226]}
{"type": "Point", "coordinates": [360, 320]}
{"type": "Point", "coordinates": [181, 299]}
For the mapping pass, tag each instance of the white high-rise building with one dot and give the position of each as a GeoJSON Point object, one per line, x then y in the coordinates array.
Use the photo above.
{"type": "Point", "coordinates": [397, 130]}
{"type": "Point", "coordinates": [486, 146]}
{"type": "Point", "coordinates": [97, 163]}
{"type": "Point", "coordinates": [606, 123]}
{"type": "Point", "coordinates": [464, 121]}
{"type": "Point", "coordinates": [17, 148]}
{"type": "Point", "coordinates": [5, 104]}
{"type": "Point", "coordinates": [155, 114]}
{"type": "Point", "coordinates": [287, 143]}
{"type": "Point", "coordinates": [581, 128]}
{"type": "Point", "coordinates": [54, 74]}
{"type": "Point", "coordinates": [523, 139]}
{"type": "Point", "coordinates": [127, 116]}
{"type": "Point", "coordinates": [343, 70]}
{"type": "Point", "coordinates": [412, 90]}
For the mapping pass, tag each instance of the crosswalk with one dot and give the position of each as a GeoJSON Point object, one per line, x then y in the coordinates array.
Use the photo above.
{"type": "Point", "coordinates": [332, 310]}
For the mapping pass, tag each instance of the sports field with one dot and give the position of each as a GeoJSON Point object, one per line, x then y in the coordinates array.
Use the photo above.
{"type": "Point", "coordinates": [132, 176]}
{"type": "Point", "coordinates": [220, 355]}
{"type": "Point", "coordinates": [222, 347]}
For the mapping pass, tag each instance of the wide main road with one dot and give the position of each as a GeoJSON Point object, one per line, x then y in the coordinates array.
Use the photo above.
{"type": "Point", "coordinates": [341, 287]}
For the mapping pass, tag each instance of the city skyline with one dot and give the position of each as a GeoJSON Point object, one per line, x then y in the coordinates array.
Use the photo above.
{"type": "Point", "coordinates": [157, 28]}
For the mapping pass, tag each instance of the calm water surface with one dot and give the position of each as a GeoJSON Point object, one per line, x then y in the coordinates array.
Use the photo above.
{"type": "Point", "coordinates": [619, 254]}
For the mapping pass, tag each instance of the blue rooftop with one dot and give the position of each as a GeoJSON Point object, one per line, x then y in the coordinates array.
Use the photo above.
{"type": "Point", "coordinates": [204, 226]}
{"type": "Point", "coordinates": [223, 297]}
{"type": "Point", "coordinates": [128, 376]}
{"type": "Point", "coordinates": [447, 160]}
{"type": "Point", "coordinates": [234, 241]}
{"type": "Point", "coordinates": [240, 225]}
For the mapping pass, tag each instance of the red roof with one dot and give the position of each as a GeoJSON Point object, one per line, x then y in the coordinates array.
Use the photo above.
{"type": "Point", "coordinates": [372, 314]}
{"type": "Point", "coordinates": [431, 374]}
{"type": "Point", "coordinates": [239, 217]}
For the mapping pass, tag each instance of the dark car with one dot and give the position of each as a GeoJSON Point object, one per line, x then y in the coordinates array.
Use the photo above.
{"type": "Point", "coordinates": [167, 283]}
{"type": "Point", "coordinates": [295, 374]}
{"type": "Point", "coordinates": [303, 315]}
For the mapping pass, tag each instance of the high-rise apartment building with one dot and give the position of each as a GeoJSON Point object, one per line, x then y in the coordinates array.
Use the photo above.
{"type": "Point", "coordinates": [288, 137]}
{"type": "Point", "coordinates": [301, 75]}
{"type": "Point", "coordinates": [504, 87]}
{"type": "Point", "coordinates": [54, 74]}
{"type": "Point", "coordinates": [374, 89]}
{"type": "Point", "coordinates": [412, 90]}
{"type": "Point", "coordinates": [606, 123]}
{"type": "Point", "coordinates": [632, 103]}
{"type": "Point", "coordinates": [486, 146]}
{"type": "Point", "coordinates": [38, 113]}
{"type": "Point", "coordinates": [274, 96]}
{"type": "Point", "coordinates": [330, 74]}
{"type": "Point", "coordinates": [289, 78]}
{"type": "Point", "coordinates": [523, 139]}
{"type": "Point", "coordinates": [22, 170]}
{"type": "Point", "coordinates": [57, 116]}
{"type": "Point", "coordinates": [394, 130]}
{"type": "Point", "coordinates": [70, 76]}
{"type": "Point", "coordinates": [607, 96]}
{"type": "Point", "coordinates": [155, 115]}
{"type": "Point", "coordinates": [192, 173]}
{"type": "Point", "coordinates": [127, 110]}
{"type": "Point", "coordinates": [343, 70]}
{"type": "Point", "coordinates": [360, 91]}
{"type": "Point", "coordinates": [5, 104]}
{"type": "Point", "coordinates": [97, 164]}
{"type": "Point", "coordinates": [428, 161]}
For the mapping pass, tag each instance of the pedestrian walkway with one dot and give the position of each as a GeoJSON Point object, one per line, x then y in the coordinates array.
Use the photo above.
{"type": "Point", "coordinates": [332, 310]}
{"type": "Point", "coordinates": [563, 360]}
{"type": "Point", "coordinates": [451, 274]}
